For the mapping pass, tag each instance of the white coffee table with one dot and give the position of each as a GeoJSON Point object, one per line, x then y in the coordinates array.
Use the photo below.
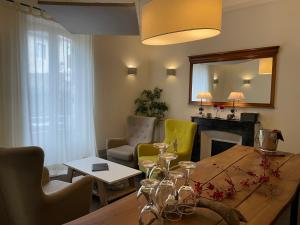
{"type": "Point", "coordinates": [115, 173]}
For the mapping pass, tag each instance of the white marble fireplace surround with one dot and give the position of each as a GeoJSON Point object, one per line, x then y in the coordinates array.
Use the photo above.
{"type": "Point", "coordinates": [208, 136]}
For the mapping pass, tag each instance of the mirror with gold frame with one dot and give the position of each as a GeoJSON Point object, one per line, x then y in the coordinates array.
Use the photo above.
{"type": "Point", "coordinates": [251, 73]}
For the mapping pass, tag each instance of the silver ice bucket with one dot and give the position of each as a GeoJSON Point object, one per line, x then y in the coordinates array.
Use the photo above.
{"type": "Point", "coordinates": [267, 139]}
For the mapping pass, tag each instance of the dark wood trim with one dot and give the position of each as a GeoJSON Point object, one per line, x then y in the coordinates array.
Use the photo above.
{"type": "Point", "coordinates": [254, 53]}
{"type": "Point", "coordinates": [26, 5]}
{"type": "Point", "coordinates": [87, 4]}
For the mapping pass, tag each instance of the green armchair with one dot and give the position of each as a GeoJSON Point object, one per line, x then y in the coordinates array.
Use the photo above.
{"type": "Point", "coordinates": [183, 131]}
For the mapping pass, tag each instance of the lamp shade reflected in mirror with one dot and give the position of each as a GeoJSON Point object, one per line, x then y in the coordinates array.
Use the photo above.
{"type": "Point", "coordinates": [236, 96]}
{"type": "Point", "coordinates": [266, 66]}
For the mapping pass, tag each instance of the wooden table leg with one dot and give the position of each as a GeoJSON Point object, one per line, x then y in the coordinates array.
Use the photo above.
{"type": "Point", "coordinates": [70, 174]}
{"type": "Point", "coordinates": [102, 192]}
{"type": "Point", "coordinates": [294, 209]}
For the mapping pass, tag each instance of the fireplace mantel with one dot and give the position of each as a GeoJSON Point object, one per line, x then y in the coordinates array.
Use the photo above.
{"type": "Point", "coordinates": [245, 129]}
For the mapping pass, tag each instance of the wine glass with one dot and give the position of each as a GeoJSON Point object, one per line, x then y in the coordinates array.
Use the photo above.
{"type": "Point", "coordinates": [166, 193]}
{"type": "Point", "coordinates": [175, 175]}
{"type": "Point", "coordinates": [167, 201]}
{"type": "Point", "coordinates": [150, 213]}
{"type": "Point", "coordinates": [162, 147]}
{"type": "Point", "coordinates": [159, 168]}
{"type": "Point", "coordinates": [147, 164]}
{"type": "Point", "coordinates": [186, 194]}
{"type": "Point", "coordinates": [168, 157]}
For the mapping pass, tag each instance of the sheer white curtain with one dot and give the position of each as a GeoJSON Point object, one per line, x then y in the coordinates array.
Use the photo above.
{"type": "Point", "coordinates": [54, 92]}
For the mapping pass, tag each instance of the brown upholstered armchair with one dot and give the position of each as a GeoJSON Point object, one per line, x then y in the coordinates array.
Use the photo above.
{"type": "Point", "coordinates": [28, 197]}
{"type": "Point", "coordinates": [140, 130]}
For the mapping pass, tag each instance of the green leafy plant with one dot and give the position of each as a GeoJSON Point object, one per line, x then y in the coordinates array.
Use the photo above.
{"type": "Point", "coordinates": [148, 104]}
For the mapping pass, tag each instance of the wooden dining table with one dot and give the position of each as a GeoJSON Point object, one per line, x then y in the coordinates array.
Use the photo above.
{"type": "Point", "coordinates": [258, 204]}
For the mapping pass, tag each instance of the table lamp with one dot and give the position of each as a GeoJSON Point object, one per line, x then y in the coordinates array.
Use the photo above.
{"type": "Point", "coordinates": [201, 96]}
{"type": "Point", "coordinates": [235, 97]}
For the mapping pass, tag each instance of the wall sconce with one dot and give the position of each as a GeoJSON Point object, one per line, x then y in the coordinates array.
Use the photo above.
{"type": "Point", "coordinates": [246, 81]}
{"type": "Point", "coordinates": [131, 71]}
{"type": "Point", "coordinates": [215, 81]}
{"type": "Point", "coordinates": [171, 72]}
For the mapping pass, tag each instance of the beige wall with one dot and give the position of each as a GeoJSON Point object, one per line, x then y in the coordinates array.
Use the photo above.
{"type": "Point", "coordinates": [114, 90]}
{"type": "Point", "coordinates": [271, 24]}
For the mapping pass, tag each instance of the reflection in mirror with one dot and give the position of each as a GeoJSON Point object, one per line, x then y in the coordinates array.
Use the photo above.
{"type": "Point", "coordinates": [252, 77]}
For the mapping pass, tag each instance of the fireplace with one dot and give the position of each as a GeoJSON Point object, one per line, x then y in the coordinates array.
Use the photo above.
{"type": "Point", "coordinates": [217, 135]}
{"type": "Point", "coordinates": [218, 147]}
{"type": "Point", "coordinates": [214, 142]}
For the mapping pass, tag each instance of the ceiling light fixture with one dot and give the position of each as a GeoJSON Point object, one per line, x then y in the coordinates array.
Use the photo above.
{"type": "Point", "coordinates": [176, 21]}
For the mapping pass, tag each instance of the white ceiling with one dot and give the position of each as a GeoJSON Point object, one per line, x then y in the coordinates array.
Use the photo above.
{"type": "Point", "coordinates": [109, 19]}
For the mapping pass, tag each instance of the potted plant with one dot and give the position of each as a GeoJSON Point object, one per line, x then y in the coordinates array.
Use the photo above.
{"type": "Point", "coordinates": [149, 104]}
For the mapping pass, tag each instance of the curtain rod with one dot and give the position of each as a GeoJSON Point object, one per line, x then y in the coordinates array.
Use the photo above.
{"type": "Point", "coordinates": [26, 5]}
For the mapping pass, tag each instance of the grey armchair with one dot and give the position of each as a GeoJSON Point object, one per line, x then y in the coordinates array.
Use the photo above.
{"type": "Point", "coordinates": [29, 198]}
{"type": "Point", "coordinates": [140, 130]}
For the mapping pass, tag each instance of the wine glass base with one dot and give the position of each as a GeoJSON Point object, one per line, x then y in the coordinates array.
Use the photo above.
{"type": "Point", "coordinates": [186, 209]}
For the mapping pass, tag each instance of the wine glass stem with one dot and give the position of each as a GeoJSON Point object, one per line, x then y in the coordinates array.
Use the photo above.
{"type": "Point", "coordinates": [168, 162]}
{"type": "Point", "coordinates": [147, 172]}
{"type": "Point", "coordinates": [187, 177]}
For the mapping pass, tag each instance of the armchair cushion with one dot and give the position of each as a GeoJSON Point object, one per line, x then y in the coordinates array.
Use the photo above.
{"type": "Point", "coordinates": [45, 176]}
{"type": "Point", "coordinates": [147, 150]}
{"type": "Point", "coordinates": [115, 142]}
{"type": "Point", "coordinates": [54, 185]}
{"type": "Point", "coordinates": [125, 152]}
{"type": "Point", "coordinates": [140, 129]}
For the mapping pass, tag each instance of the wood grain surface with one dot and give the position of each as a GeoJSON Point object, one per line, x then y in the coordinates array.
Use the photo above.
{"type": "Point", "coordinates": [256, 203]}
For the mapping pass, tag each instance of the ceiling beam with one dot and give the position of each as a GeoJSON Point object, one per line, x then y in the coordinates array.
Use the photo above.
{"type": "Point", "coordinates": [103, 4]}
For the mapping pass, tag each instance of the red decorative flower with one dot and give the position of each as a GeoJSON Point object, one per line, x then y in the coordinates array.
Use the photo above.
{"type": "Point", "coordinates": [276, 173]}
{"type": "Point", "coordinates": [265, 163]}
{"type": "Point", "coordinates": [263, 179]}
{"type": "Point", "coordinates": [230, 192]}
{"type": "Point", "coordinates": [198, 188]}
{"type": "Point", "coordinates": [217, 195]}
{"type": "Point", "coordinates": [251, 174]}
{"type": "Point", "coordinates": [245, 183]}
{"type": "Point", "coordinates": [251, 178]}
{"type": "Point", "coordinates": [210, 186]}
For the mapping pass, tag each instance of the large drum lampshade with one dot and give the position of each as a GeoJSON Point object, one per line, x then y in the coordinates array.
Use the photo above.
{"type": "Point", "coordinates": [165, 22]}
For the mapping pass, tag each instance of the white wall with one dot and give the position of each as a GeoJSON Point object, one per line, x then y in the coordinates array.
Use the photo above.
{"type": "Point", "coordinates": [275, 23]}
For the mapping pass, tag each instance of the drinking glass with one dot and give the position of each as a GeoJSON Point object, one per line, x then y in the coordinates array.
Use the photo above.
{"type": "Point", "coordinates": [186, 194]}
{"type": "Point", "coordinates": [168, 157]}
{"type": "Point", "coordinates": [159, 168]}
{"type": "Point", "coordinates": [175, 175]}
{"type": "Point", "coordinates": [150, 213]}
{"type": "Point", "coordinates": [147, 164]}
{"type": "Point", "coordinates": [166, 193]}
